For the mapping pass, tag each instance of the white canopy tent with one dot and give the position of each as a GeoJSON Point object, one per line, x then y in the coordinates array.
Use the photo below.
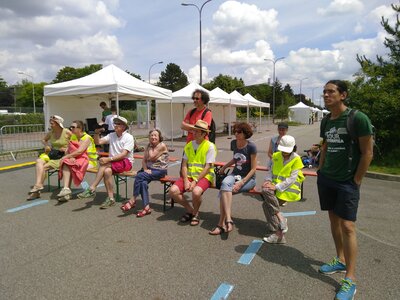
{"type": "Point", "coordinates": [254, 102]}
{"type": "Point", "coordinates": [79, 99]}
{"type": "Point", "coordinates": [300, 113]}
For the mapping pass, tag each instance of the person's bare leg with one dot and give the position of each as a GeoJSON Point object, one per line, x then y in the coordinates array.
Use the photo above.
{"type": "Point", "coordinates": [349, 238]}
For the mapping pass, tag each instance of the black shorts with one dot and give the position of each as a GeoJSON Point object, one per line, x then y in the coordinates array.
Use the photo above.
{"type": "Point", "coordinates": [341, 197]}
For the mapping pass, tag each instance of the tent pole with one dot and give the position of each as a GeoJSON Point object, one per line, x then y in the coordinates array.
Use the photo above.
{"type": "Point", "coordinates": [148, 114]}
{"type": "Point", "coordinates": [172, 128]}
{"type": "Point", "coordinates": [260, 121]}
{"type": "Point", "coordinates": [230, 117]}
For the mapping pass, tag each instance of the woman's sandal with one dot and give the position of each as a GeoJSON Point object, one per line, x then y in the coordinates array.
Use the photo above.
{"type": "Point", "coordinates": [217, 230]}
{"type": "Point", "coordinates": [229, 225]}
{"type": "Point", "coordinates": [195, 221]}
{"type": "Point", "coordinates": [36, 189]}
{"type": "Point", "coordinates": [143, 212]}
{"type": "Point", "coordinates": [186, 217]}
{"type": "Point", "coordinates": [127, 206]}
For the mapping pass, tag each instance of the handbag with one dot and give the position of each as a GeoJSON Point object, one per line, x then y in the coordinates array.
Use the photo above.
{"type": "Point", "coordinates": [220, 177]}
{"type": "Point", "coordinates": [55, 154]}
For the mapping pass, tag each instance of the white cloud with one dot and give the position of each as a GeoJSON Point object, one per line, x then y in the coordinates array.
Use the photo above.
{"type": "Point", "coordinates": [194, 74]}
{"type": "Point", "coordinates": [339, 7]}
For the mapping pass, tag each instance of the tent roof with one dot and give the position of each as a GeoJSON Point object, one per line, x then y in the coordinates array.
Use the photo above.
{"type": "Point", "coordinates": [300, 105]}
{"type": "Point", "coordinates": [218, 95]}
{"type": "Point", "coordinates": [184, 95]}
{"type": "Point", "coordinates": [106, 82]}
{"type": "Point", "coordinates": [256, 102]}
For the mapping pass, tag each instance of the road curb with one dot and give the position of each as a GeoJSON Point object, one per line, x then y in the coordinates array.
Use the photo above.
{"type": "Point", "coordinates": [382, 176]}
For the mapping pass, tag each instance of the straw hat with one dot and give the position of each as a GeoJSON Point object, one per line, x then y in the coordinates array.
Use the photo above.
{"type": "Point", "coordinates": [200, 125]}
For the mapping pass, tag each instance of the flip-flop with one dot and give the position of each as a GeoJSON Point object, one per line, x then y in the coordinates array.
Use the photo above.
{"type": "Point", "coordinates": [220, 230]}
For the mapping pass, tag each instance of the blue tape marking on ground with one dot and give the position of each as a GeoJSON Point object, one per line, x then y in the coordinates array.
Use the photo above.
{"type": "Point", "coordinates": [222, 292]}
{"type": "Point", "coordinates": [25, 206]}
{"type": "Point", "coordinates": [250, 252]}
{"type": "Point", "coordinates": [299, 213]}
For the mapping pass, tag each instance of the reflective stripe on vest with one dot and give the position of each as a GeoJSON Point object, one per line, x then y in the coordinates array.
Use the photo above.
{"type": "Point", "coordinates": [281, 172]}
{"type": "Point", "coordinates": [196, 160]}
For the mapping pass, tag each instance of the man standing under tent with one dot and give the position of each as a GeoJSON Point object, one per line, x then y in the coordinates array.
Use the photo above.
{"type": "Point", "coordinates": [200, 100]}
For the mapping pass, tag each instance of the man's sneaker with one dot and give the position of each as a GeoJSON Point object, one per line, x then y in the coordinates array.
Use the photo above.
{"type": "Point", "coordinates": [333, 267]}
{"type": "Point", "coordinates": [347, 290]}
{"type": "Point", "coordinates": [86, 194]}
{"type": "Point", "coordinates": [107, 203]}
{"type": "Point", "coordinates": [283, 226]}
{"type": "Point", "coordinates": [275, 239]}
{"type": "Point", "coordinates": [64, 192]}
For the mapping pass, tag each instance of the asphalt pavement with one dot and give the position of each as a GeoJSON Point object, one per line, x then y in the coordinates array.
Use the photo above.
{"type": "Point", "coordinates": [77, 251]}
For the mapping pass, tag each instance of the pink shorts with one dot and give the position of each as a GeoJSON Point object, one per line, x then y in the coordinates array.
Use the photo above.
{"type": "Point", "coordinates": [203, 183]}
{"type": "Point", "coordinates": [121, 166]}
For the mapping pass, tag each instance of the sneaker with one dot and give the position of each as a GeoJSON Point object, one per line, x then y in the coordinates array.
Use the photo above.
{"type": "Point", "coordinates": [86, 194]}
{"type": "Point", "coordinates": [107, 203]}
{"type": "Point", "coordinates": [283, 226]}
{"type": "Point", "coordinates": [333, 267]}
{"type": "Point", "coordinates": [347, 290]}
{"type": "Point", "coordinates": [275, 239]}
{"type": "Point", "coordinates": [64, 192]}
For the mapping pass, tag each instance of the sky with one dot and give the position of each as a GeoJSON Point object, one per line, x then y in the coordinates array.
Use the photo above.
{"type": "Point", "coordinates": [319, 39]}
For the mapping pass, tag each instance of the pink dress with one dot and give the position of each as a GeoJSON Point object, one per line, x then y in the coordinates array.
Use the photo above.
{"type": "Point", "coordinates": [77, 167]}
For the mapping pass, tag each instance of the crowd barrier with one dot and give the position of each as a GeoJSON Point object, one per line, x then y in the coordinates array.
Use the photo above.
{"type": "Point", "coordinates": [16, 138]}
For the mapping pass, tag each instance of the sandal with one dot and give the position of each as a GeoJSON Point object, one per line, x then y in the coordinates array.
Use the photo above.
{"type": "Point", "coordinates": [36, 189]}
{"type": "Point", "coordinates": [217, 230]}
{"type": "Point", "coordinates": [186, 217]}
{"type": "Point", "coordinates": [229, 225]}
{"type": "Point", "coordinates": [33, 196]}
{"type": "Point", "coordinates": [143, 212]}
{"type": "Point", "coordinates": [127, 206]}
{"type": "Point", "coordinates": [195, 221]}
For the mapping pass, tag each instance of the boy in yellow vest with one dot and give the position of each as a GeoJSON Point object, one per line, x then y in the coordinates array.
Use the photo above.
{"type": "Point", "coordinates": [197, 173]}
{"type": "Point", "coordinates": [283, 182]}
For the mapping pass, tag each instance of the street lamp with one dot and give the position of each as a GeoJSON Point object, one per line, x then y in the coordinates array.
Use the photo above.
{"type": "Point", "coordinates": [301, 81]}
{"type": "Point", "coordinates": [157, 63]}
{"type": "Point", "coordinates": [199, 10]}
{"type": "Point", "coordinates": [274, 61]}
{"type": "Point", "coordinates": [33, 89]}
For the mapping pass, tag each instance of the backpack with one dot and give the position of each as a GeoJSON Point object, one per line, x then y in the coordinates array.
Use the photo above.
{"type": "Point", "coordinates": [351, 131]}
{"type": "Point", "coordinates": [212, 127]}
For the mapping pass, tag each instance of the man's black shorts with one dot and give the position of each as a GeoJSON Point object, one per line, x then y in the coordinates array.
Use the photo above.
{"type": "Point", "coordinates": [341, 197]}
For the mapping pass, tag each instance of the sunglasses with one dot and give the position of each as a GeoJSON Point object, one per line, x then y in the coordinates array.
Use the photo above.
{"type": "Point", "coordinates": [72, 127]}
{"type": "Point", "coordinates": [238, 131]}
{"type": "Point", "coordinates": [196, 98]}
{"type": "Point", "coordinates": [119, 124]}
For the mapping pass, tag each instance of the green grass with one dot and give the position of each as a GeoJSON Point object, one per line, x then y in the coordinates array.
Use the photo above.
{"type": "Point", "coordinates": [385, 170]}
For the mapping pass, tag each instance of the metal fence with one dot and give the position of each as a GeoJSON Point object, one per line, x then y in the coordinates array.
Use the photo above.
{"type": "Point", "coordinates": [15, 138]}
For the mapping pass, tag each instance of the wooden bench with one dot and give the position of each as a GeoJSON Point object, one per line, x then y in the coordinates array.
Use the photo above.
{"type": "Point", "coordinates": [168, 181]}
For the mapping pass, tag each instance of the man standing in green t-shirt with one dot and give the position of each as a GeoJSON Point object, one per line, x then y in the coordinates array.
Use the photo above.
{"type": "Point", "coordinates": [339, 180]}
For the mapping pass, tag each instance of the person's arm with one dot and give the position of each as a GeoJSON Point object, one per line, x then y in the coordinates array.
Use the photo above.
{"type": "Point", "coordinates": [227, 165]}
{"type": "Point", "coordinates": [45, 142]}
{"type": "Point", "coordinates": [158, 151]}
{"type": "Point", "coordinates": [185, 123]}
{"type": "Point", "coordinates": [366, 145]}
{"type": "Point", "coordinates": [269, 151]}
{"type": "Point", "coordinates": [97, 139]}
{"type": "Point", "coordinates": [322, 155]}
{"type": "Point", "coordinates": [83, 145]}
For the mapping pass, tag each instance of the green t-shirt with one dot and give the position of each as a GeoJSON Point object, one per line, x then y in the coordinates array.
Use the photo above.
{"type": "Point", "coordinates": [336, 163]}
{"type": "Point", "coordinates": [105, 113]}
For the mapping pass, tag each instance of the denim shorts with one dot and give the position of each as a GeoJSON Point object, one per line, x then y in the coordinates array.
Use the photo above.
{"type": "Point", "coordinates": [341, 197]}
{"type": "Point", "coordinates": [229, 181]}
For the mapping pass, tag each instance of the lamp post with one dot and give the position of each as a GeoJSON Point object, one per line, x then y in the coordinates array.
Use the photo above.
{"type": "Point", "coordinates": [157, 63]}
{"type": "Point", "coordinates": [199, 10]}
{"type": "Point", "coordinates": [274, 61]}
{"type": "Point", "coordinates": [33, 89]}
{"type": "Point", "coordinates": [301, 81]}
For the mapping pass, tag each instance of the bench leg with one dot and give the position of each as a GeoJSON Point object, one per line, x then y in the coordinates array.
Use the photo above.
{"type": "Point", "coordinates": [167, 186]}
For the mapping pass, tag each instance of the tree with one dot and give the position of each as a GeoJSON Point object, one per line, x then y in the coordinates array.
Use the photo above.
{"type": "Point", "coordinates": [376, 91]}
{"type": "Point", "coordinates": [134, 75]}
{"type": "Point", "coordinates": [6, 94]}
{"type": "Point", "coordinates": [69, 73]}
{"type": "Point", "coordinates": [226, 83]}
{"type": "Point", "coordinates": [173, 78]}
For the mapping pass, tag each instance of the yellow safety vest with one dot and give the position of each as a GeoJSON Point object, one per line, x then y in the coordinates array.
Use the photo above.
{"type": "Point", "coordinates": [91, 150]}
{"type": "Point", "coordinates": [196, 160]}
{"type": "Point", "coordinates": [280, 172]}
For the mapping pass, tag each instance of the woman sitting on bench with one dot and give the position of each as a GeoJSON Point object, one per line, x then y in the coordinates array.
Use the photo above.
{"type": "Point", "coordinates": [154, 167]}
{"type": "Point", "coordinates": [243, 177]}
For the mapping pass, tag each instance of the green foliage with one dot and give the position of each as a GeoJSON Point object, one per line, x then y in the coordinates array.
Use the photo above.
{"type": "Point", "coordinates": [130, 115]}
{"type": "Point", "coordinates": [282, 112]}
{"type": "Point", "coordinates": [226, 83]}
{"type": "Point", "coordinates": [6, 93]}
{"type": "Point", "coordinates": [173, 78]}
{"type": "Point", "coordinates": [21, 119]}
{"type": "Point", "coordinates": [376, 92]}
{"type": "Point", "coordinates": [69, 73]}
{"type": "Point", "coordinates": [134, 75]}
